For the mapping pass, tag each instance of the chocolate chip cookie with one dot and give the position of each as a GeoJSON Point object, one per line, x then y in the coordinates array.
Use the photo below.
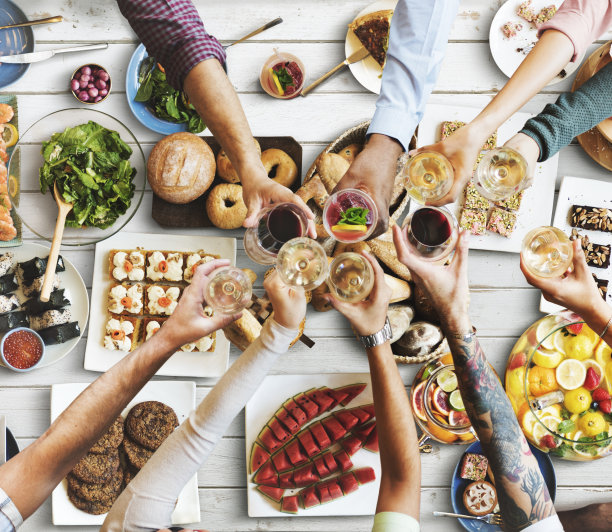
{"type": "Point", "coordinates": [99, 493]}
{"type": "Point", "coordinates": [137, 454]}
{"type": "Point", "coordinates": [111, 439]}
{"type": "Point", "coordinates": [94, 508]}
{"type": "Point", "coordinates": [97, 468]}
{"type": "Point", "coordinates": [150, 423]}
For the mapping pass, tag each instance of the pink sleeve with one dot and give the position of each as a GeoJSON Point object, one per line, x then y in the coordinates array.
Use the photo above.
{"type": "Point", "coordinates": [583, 21]}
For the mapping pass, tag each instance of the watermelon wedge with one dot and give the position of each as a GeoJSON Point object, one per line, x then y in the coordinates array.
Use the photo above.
{"type": "Point", "coordinates": [352, 390]}
{"type": "Point", "coordinates": [309, 498]}
{"type": "Point", "coordinates": [269, 441]}
{"type": "Point", "coordinates": [285, 418]}
{"type": "Point", "coordinates": [307, 405]}
{"type": "Point", "coordinates": [321, 398]}
{"type": "Point", "coordinates": [346, 419]}
{"type": "Point", "coordinates": [322, 469]}
{"type": "Point", "coordinates": [286, 480]}
{"type": "Point", "coordinates": [334, 489]}
{"type": "Point", "coordinates": [333, 428]}
{"type": "Point", "coordinates": [369, 408]}
{"type": "Point", "coordinates": [364, 431]}
{"type": "Point", "coordinates": [308, 443]}
{"type": "Point", "coordinates": [281, 461]}
{"type": "Point", "coordinates": [276, 494]}
{"type": "Point", "coordinates": [343, 460]}
{"type": "Point", "coordinates": [294, 453]}
{"type": "Point", "coordinates": [371, 443]}
{"type": "Point", "coordinates": [319, 435]}
{"type": "Point", "coordinates": [259, 456]}
{"type": "Point", "coordinates": [362, 414]}
{"type": "Point", "coordinates": [289, 504]}
{"type": "Point", "coordinates": [266, 475]}
{"type": "Point", "coordinates": [364, 475]}
{"type": "Point", "coordinates": [280, 433]}
{"type": "Point", "coordinates": [336, 394]}
{"type": "Point", "coordinates": [351, 444]}
{"type": "Point", "coordinates": [305, 476]}
{"type": "Point", "coordinates": [348, 482]}
{"type": "Point", "coordinates": [296, 412]}
{"type": "Point", "coordinates": [330, 462]}
{"type": "Point", "coordinates": [323, 492]}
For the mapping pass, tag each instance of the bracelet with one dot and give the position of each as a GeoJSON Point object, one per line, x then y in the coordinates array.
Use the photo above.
{"type": "Point", "coordinates": [463, 336]}
{"type": "Point", "coordinates": [603, 333]}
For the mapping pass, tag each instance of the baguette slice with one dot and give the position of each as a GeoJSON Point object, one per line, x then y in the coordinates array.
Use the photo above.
{"type": "Point", "coordinates": [244, 331]}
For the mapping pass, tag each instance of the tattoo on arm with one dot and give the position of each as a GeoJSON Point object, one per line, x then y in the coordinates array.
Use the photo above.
{"type": "Point", "coordinates": [522, 494]}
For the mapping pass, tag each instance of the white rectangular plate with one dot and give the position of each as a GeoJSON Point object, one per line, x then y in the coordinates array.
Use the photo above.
{"type": "Point", "coordinates": [179, 395]}
{"type": "Point", "coordinates": [537, 204]}
{"type": "Point", "coordinates": [579, 191]}
{"type": "Point", "coordinates": [268, 398]}
{"type": "Point", "coordinates": [181, 364]}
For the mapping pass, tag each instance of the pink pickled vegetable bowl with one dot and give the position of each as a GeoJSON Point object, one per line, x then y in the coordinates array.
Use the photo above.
{"type": "Point", "coordinates": [90, 84]}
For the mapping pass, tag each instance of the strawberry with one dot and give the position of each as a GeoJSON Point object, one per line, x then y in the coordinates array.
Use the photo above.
{"type": "Point", "coordinates": [518, 360]}
{"type": "Point", "coordinates": [548, 441]}
{"type": "Point", "coordinates": [600, 395]}
{"type": "Point", "coordinates": [605, 406]}
{"type": "Point", "coordinates": [575, 328]}
{"type": "Point", "coordinates": [592, 380]}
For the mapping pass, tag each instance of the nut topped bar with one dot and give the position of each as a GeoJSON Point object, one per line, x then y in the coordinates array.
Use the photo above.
{"type": "Point", "coordinates": [597, 255]}
{"type": "Point", "coordinates": [594, 218]}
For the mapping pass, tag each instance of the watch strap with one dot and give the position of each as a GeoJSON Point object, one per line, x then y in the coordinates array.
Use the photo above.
{"type": "Point", "coordinates": [378, 338]}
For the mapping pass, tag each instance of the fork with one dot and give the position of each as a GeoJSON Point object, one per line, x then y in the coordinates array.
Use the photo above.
{"type": "Point", "coordinates": [490, 519]}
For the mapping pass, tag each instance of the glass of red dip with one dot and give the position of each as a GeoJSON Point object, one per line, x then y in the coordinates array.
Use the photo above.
{"type": "Point", "coordinates": [22, 349]}
{"type": "Point", "coordinates": [350, 215]}
{"type": "Point", "coordinates": [282, 76]}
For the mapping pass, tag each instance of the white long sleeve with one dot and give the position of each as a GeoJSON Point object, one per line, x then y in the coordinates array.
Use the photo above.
{"type": "Point", "coordinates": [148, 501]}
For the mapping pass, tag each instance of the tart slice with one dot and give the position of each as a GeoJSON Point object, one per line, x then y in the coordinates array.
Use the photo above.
{"type": "Point", "coordinates": [193, 260]}
{"type": "Point", "coordinates": [203, 345]}
{"type": "Point", "coordinates": [121, 333]}
{"type": "Point", "coordinates": [161, 300]}
{"type": "Point", "coordinates": [372, 30]}
{"type": "Point", "coordinates": [127, 265]}
{"type": "Point", "coordinates": [151, 326]}
{"type": "Point", "coordinates": [125, 299]}
{"type": "Point", "coordinates": [480, 498]}
{"type": "Point", "coordinates": [165, 265]}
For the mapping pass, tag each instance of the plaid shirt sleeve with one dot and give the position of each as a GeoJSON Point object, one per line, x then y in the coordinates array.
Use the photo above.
{"type": "Point", "coordinates": [173, 33]}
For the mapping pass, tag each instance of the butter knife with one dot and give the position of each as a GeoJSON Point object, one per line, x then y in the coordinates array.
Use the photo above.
{"type": "Point", "coordinates": [34, 57]}
{"type": "Point", "coordinates": [2, 440]}
{"type": "Point", "coordinates": [359, 55]}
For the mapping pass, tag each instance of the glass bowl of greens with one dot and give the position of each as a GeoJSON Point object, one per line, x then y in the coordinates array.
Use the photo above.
{"type": "Point", "coordinates": [155, 103]}
{"type": "Point", "coordinates": [98, 165]}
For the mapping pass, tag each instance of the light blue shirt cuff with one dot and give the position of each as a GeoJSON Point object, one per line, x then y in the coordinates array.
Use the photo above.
{"type": "Point", "coordinates": [394, 123]}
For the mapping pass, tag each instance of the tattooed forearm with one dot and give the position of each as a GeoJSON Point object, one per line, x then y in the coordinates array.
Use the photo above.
{"type": "Point", "coordinates": [522, 494]}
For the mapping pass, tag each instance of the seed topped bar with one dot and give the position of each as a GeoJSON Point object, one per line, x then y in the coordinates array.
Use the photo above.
{"type": "Point", "coordinates": [594, 218]}
{"type": "Point", "coordinates": [474, 466]}
{"type": "Point", "coordinates": [502, 222]}
{"type": "Point", "coordinates": [545, 14]}
{"type": "Point", "coordinates": [525, 11]}
{"type": "Point", "coordinates": [474, 199]}
{"type": "Point", "coordinates": [475, 221]}
{"type": "Point", "coordinates": [448, 127]}
{"type": "Point", "coordinates": [597, 255]}
{"type": "Point", "coordinates": [513, 203]}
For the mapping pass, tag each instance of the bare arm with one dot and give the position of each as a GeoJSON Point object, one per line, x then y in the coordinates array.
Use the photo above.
{"type": "Point", "coordinates": [30, 477]}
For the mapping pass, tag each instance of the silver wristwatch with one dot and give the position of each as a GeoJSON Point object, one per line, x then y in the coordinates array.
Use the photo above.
{"type": "Point", "coordinates": [378, 338]}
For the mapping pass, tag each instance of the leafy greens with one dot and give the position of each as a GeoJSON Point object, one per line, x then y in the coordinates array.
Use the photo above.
{"type": "Point", "coordinates": [91, 167]}
{"type": "Point", "coordinates": [164, 101]}
{"type": "Point", "coordinates": [354, 216]}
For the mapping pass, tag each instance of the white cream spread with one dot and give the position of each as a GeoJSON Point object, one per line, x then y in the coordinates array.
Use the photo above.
{"type": "Point", "coordinates": [153, 272]}
{"type": "Point", "coordinates": [154, 293]}
{"type": "Point", "coordinates": [192, 260]}
{"type": "Point", "coordinates": [175, 267]}
{"type": "Point", "coordinates": [152, 328]}
{"type": "Point", "coordinates": [136, 258]}
{"type": "Point", "coordinates": [117, 293]}
{"type": "Point", "coordinates": [118, 345]}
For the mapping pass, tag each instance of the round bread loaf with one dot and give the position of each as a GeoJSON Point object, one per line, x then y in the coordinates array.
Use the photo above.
{"type": "Point", "coordinates": [181, 167]}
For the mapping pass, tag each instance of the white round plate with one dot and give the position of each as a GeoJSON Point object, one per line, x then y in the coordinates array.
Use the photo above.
{"type": "Point", "coordinates": [74, 289]}
{"type": "Point", "coordinates": [368, 71]}
{"type": "Point", "coordinates": [508, 54]}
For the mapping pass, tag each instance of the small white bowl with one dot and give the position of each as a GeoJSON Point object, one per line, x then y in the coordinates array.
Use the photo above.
{"type": "Point", "coordinates": [4, 361]}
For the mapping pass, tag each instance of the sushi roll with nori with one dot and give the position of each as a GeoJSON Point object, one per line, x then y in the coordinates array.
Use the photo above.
{"type": "Point", "coordinates": [58, 334]}
{"type": "Point", "coordinates": [11, 320]}
{"type": "Point", "coordinates": [8, 283]}
{"type": "Point", "coordinates": [36, 267]}
{"type": "Point", "coordinates": [8, 303]}
{"type": "Point", "coordinates": [49, 318]}
{"type": "Point", "coordinates": [35, 286]}
{"type": "Point", "coordinates": [56, 302]}
{"type": "Point", "coordinates": [6, 263]}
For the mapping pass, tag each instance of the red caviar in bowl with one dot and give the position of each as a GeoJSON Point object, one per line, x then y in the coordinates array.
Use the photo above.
{"type": "Point", "coordinates": [22, 349]}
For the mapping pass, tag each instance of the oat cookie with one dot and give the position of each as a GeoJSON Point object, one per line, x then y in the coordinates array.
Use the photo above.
{"type": "Point", "coordinates": [94, 508]}
{"type": "Point", "coordinates": [137, 455]}
{"type": "Point", "coordinates": [100, 493]}
{"type": "Point", "coordinates": [150, 423]}
{"type": "Point", "coordinates": [111, 439]}
{"type": "Point", "coordinates": [97, 468]}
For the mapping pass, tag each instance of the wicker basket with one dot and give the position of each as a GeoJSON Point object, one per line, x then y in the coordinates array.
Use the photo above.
{"type": "Point", "coordinates": [437, 352]}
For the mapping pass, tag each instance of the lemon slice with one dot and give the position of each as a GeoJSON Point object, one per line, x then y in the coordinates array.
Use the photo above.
{"type": "Point", "coordinates": [13, 186]}
{"type": "Point", "coordinates": [10, 135]}
{"type": "Point", "coordinates": [552, 410]}
{"type": "Point", "coordinates": [603, 354]}
{"type": "Point", "coordinates": [550, 422]}
{"type": "Point", "coordinates": [543, 329]}
{"type": "Point", "coordinates": [571, 374]}
{"type": "Point", "coordinates": [456, 401]}
{"type": "Point", "coordinates": [349, 227]}
{"type": "Point", "coordinates": [559, 341]}
{"type": "Point", "coordinates": [447, 380]}
{"type": "Point", "coordinates": [576, 445]}
{"type": "Point", "coordinates": [279, 87]}
{"type": "Point", "coordinates": [608, 373]}
{"type": "Point", "coordinates": [547, 359]}
{"type": "Point", "coordinates": [528, 422]}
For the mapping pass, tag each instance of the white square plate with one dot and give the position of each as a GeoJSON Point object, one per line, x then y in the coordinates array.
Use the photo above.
{"type": "Point", "coordinates": [537, 204]}
{"type": "Point", "coordinates": [579, 191]}
{"type": "Point", "coordinates": [179, 395]}
{"type": "Point", "coordinates": [268, 398]}
{"type": "Point", "coordinates": [181, 364]}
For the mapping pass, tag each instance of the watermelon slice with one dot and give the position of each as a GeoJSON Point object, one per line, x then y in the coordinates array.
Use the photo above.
{"type": "Point", "coordinates": [353, 390]}
{"type": "Point", "coordinates": [351, 444]}
{"type": "Point", "coordinates": [363, 415]}
{"type": "Point", "coordinates": [369, 408]}
{"type": "Point", "coordinates": [296, 412]}
{"type": "Point", "coordinates": [294, 453]}
{"type": "Point", "coordinates": [307, 405]}
{"type": "Point", "coordinates": [269, 441]}
{"type": "Point", "coordinates": [321, 468]}
{"type": "Point", "coordinates": [343, 460]}
{"type": "Point", "coordinates": [289, 504]}
{"type": "Point", "coordinates": [266, 475]}
{"type": "Point", "coordinates": [334, 489]}
{"type": "Point", "coordinates": [308, 443]}
{"type": "Point", "coordinates": [321, 398]}
{"type": "Point", "coordinates": [364, 432]}
{"type": "Point", "coordinates": [364, 475]}
{"type": "Point", "coordinates": [348, 482]}
{"type": "Point", "coordinates": [286, 480]}
{"type": "Point", "coordinates": [305, 476]}
{"type": "Point", "coordinates": [281, 461]}
{"type": "Point", "coordinates": [371, 443]}
{"type": "Point", "coordinates": [346, 419]}
{"type": "Point", "coordinates": [336, 394]}
{"type": "Point", "coordinates": [309, 497]}
{"type": "Point", "coordinates": [319, 434]}
{"type": "Point", "coordinates": [285, 418]}
{"type": "Point", "coordinates": [259, 456]}
{"type": "Point", "coordinates": [279, 431]}
{"type": "Point", "coordinates": [330, 462]}
{"type": "Point", "coordinates": [323, 492]}
{"type": "Point", "coordinates": [276, 494]}
{"type": "Point", "coordinates": [333, 428]}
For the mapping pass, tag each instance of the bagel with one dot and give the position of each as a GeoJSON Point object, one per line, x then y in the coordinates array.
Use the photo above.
{"type": "Point", "coordinates": [286, 169]}
{"type": "Point", "coordinates": [224, 165]}
{"type": "Point", "coordinates": [225, 206]}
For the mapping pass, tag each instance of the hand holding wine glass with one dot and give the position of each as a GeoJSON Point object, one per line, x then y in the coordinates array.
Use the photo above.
{"type": "Point", "coordinates": [528, 148]}
{"type": "Point", "coordinates": [288, 302]}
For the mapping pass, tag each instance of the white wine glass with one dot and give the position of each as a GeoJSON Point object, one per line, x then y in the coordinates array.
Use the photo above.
{"type": "Point", "coordinates": [302, 262]}
{"type": "Point", "coordinates": [351, 277]}
{"type": "Point", "coordinates": [229, 290]}
{"type": "Point", "coordinates": [428, 176]}
{"type": "Point", "coordinates": [547, 252]}
{"type": "Point", "coordinates": [501, 173]}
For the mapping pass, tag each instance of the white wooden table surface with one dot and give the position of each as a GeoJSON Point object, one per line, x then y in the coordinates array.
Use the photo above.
{"type": "Point", "coordinates": [502, 304]}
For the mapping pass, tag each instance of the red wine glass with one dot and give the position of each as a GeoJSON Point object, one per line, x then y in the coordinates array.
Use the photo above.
{"type": "Point", "coordinates": [431, 232]}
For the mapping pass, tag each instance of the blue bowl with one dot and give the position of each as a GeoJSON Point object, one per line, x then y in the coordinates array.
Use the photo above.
{"type": "Point", "coordinates": [19, 370]}
{"type": "Point", "coordinates": [459, 484]}
{"type": "Point", "coordinates": [13, 41]}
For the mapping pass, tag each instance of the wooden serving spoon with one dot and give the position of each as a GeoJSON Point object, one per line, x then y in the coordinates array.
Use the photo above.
{"type": "Point", "coordinates": [63, 210]}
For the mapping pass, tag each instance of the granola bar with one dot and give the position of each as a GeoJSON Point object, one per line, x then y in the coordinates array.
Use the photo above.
{"type": "Point", "coordinates": [545, 14]}
{"type": "Point", "coordinates": [597, 255]}
{"type": "Point", "coordinates": [510, 29]}
{"type": "Point", "coordinates": [502, 222]}
{"type": "Point", "coordinates": [525, 12]}
{"type": "Point", "coordinates": [474, 466]}
{"type": "Point", "coordinates": [449, 127]}
{"type": "Point", "coordinates": [475, 221]}
{"type": "Point", "coordinates": [513, 203]}
{"type": "Point", "coordinates": [474, 200]}
{"type": "Point", "coordinates": [594, 218]}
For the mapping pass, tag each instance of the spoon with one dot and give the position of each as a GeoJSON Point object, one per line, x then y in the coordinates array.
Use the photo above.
{"type": "Point", "coordinates": [47, 20]}
{"type": "Point", "coordinates": [63, 210]}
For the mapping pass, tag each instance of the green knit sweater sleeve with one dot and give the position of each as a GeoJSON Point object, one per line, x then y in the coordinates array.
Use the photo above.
{"type": "Point", "coordinates": [572, 114]}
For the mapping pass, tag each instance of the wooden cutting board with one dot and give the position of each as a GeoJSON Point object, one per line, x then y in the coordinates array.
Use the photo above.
{"type": "Point", "coordinates": [194, 214]}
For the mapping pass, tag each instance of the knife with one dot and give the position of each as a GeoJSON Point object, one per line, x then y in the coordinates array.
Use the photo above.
{"type": "Point", "coordinates": [34, 57]}
{"type": "Point", "coordinates": [2, 440]}
{"type": "Point", "coordinates": [360, 54]}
